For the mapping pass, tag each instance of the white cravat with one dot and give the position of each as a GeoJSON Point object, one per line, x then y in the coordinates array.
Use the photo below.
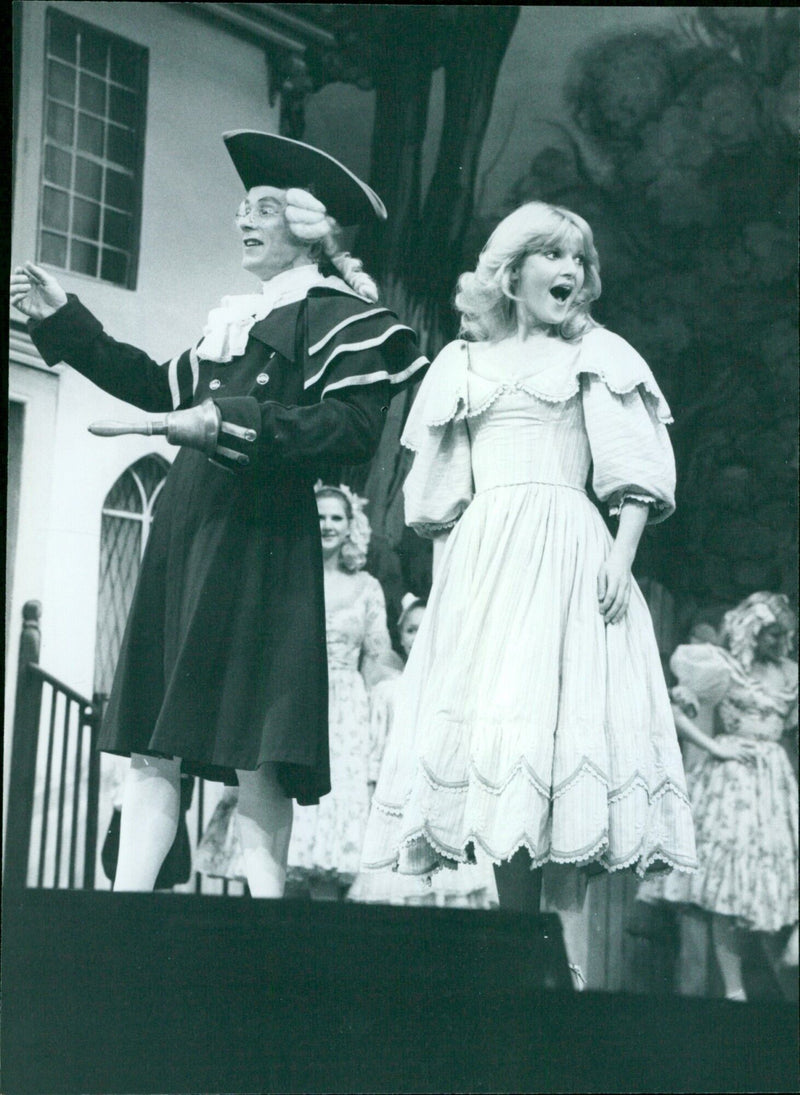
{"type": "Point", "coordinates": [228, 327]}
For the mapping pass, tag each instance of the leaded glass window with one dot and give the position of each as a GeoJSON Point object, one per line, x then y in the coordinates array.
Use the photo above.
{"type": "Point", "coordinates": [94, 114]}
{"type": "Point", "coordinates": [128, 512]}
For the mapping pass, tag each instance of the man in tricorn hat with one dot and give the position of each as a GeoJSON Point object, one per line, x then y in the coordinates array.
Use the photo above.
{"type": "Point", "coordinates": [222, 670]}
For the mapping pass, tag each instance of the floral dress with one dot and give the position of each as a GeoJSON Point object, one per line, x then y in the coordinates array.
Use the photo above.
{"type": "Point", "coordinates": [745, 813]}
{"type": "Point", "coordinates": [523, 719]}
{"type": "Point", "coordinates": [327, 839]}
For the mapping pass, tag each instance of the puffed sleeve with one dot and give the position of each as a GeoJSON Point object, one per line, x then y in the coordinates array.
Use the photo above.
{"type": "Point", "coordinates": [439, 486]}
{"type": "Point", "coordinates": [704, 669]}
{"type": "Point", "coordinates": [626, 416]}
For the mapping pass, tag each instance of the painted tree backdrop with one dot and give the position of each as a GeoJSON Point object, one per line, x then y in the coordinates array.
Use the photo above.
{"type": "Point", "coordinates": [680, 150]}
{"type": "Point", "coordinates": [682, 155]}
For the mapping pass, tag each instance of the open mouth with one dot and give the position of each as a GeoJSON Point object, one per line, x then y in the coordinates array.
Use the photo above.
{"type": "Point", "coordinates": [561, 293]}
{"type": "Point", "coordinates": [252, 243]}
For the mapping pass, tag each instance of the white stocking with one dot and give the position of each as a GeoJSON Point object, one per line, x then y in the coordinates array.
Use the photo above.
{"type": "Point", "coordinates": [265, 826]}
{"type": "Point", "coordinates": [150, 810]}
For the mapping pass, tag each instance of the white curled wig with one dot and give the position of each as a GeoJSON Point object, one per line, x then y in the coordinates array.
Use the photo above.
{"type": "Point", "coordinates": [742, 625]}
{"type": "Point", "coordinates": [353, 555]}
{"type": "Point", "coordinates": [485, 297]}
{"type": "Point", "coordinates": [307, 220]}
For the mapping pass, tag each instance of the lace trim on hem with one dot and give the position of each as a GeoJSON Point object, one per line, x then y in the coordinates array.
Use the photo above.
{"type": "Point", "coordinates": [668, 787]}
{"type": "Point", "coordinates": [388, 808]}
{"type": "Point", "coordinates": [579, 858]}
{"type": "Point", "coordinates": [635, 781]}
{"type": "Point", "coordinates": [454, 786]}
{"type": "Point", "coordinates": [586, 767]}
{"type": "Point", "coordinates": [658, 855]}
{"type": "Point", "coordinates": [593, 853]}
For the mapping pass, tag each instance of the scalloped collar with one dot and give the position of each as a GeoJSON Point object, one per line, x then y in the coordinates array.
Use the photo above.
{"type": "Point", "coordinates": [553, 382]}
{"type": "Point", "coordinates": [461, 392]}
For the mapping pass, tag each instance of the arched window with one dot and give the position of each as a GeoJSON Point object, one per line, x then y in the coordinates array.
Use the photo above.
{"type": "Point", "coordinates": [128, 512]}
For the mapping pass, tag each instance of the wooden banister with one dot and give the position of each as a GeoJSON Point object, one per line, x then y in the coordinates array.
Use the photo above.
{"type": "Point", "coordinates": [78, 716]}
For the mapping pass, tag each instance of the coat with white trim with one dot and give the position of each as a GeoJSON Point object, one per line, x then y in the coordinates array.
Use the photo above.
{"type": "Point", "coordinates": [223, 662]}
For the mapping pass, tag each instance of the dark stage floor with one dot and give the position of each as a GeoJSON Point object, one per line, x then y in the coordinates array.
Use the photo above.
{"type": "Point", "coordinates": [107, 994]}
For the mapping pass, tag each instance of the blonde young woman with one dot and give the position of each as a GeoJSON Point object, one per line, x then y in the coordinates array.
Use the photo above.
{"type": "Point", "coordinates": [325, 849]}
{"type": "Point", "coordinates": [533, 721]}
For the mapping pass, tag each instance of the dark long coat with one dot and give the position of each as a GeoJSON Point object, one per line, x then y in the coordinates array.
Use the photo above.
{"type": "Point", "coordinates": [223, 662]}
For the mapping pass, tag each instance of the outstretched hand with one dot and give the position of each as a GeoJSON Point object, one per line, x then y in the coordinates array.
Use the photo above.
{"type": "Point", "coordinates": [36, 293]}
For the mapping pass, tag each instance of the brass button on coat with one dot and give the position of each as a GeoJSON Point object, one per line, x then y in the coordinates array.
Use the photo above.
{"type": "Point", "coordinates": [262, 378]}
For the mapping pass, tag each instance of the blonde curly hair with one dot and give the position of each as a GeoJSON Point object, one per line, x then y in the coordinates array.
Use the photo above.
{"type": "Point", "coordinates": [485, 297]}
{"type": "Point", "coordinates": [353, 553]}
{"type": "Point", "coordinates": [742, 625]}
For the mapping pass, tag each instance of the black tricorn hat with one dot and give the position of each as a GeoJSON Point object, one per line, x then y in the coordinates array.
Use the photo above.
{"type": "Point", "coordinates": [266, 159]}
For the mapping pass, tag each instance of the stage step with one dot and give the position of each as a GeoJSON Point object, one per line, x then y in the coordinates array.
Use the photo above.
{"type": "Point", "coordinates": [121, 993]}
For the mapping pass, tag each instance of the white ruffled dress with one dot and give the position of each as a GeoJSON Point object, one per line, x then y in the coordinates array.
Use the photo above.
{"type": "Point", "coordinates": [468, 887]}
{"type": "Point", "coordinates": [523, 720]}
